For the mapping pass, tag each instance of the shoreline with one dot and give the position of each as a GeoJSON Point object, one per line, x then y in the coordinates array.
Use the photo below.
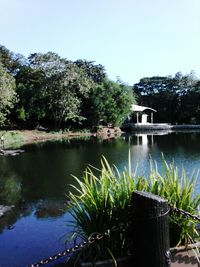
{"type": "Point", "coordinates": [159, 126]}
{"type": "Point", "coordinates": [15, 137]}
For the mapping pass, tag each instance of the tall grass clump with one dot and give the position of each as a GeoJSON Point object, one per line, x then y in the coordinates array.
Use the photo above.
{"type": "Point", "coordinates": [179, 189]}
{"type": "Point", "coordinates": [102, 200]}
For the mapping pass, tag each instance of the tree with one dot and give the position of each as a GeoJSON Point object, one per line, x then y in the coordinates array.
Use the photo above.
{"type": "Point", "coordinates": [7, 94]}
{"type": "Point", "coordinates": [50, 63]}
{"type": "Point", "coordinates": [32, 99]}
{"type": "Point", "coordinates": [11, 61]}
{"type": "Point", "coordinates": [62, 86]}
{"type": "Point", "coordinates": [110, 103]}
{"type": "Point", "coordinates": [166, 95]}
{"type": "Point", "coordinates": [191, 104]}
{"type": "Point", "coordinates": [95, 72]}
{"type": "Point", "coordinates": [66, 91]}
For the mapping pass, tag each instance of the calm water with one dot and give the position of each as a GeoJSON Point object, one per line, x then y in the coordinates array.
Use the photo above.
{"type": "Point", "coordinates": [37, 182]}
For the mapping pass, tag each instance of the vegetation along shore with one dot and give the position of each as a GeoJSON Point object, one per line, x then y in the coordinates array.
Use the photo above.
{"type": "Point", "coordinates": [58, 93]}
{"type": "Point", "coordinates": [31, 136]}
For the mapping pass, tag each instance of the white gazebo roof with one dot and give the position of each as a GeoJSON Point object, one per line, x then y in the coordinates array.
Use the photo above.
{"type": "Point", "coordinates": [140, 108]}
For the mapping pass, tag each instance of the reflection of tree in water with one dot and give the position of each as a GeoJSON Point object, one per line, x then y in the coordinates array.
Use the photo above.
{"type": "Point", "coordinates": [11, 194]}
{"type": "Point", "coordinates": [10, 189]}
{"type": "Point", "coordinates": [50, 208]}
{"type": "Point", "coordinates": [42, 209]}
{"type": "Point", "coordinates": [8, 220]}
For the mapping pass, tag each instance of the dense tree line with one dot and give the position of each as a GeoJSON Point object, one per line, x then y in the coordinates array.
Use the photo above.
{"type": "Point", "coordinates": [48, 90]}
{"type": "Point", "coordinates": [176, 98]}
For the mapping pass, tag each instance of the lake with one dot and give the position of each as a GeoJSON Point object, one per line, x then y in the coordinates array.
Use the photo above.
{"type": "Point", "coordinates": [37, 182]}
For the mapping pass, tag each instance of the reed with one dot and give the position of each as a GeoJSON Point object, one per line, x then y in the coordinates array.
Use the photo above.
{"type": "Point", "coordinates": [179, 189]}
{"type": "Point", "coordinates": [102, 200]}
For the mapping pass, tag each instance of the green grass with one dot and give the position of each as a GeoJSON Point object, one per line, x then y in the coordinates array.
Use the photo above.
{"type": "Point", "coordinates": [11, 137]}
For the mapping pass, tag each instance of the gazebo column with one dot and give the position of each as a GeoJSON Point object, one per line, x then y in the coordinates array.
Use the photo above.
{"type": "Point", "coordinates": [137, 114]}
{"type": "Point", "coordinates": [151, 117]}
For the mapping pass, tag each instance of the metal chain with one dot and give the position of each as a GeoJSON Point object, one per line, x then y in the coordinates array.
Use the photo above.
{"type": "Point", "coordinates": [80, 246]}
{"type": "Point", "coordinates": [69, 251]}
{"type": "Point", "coordinates": [96, 238]}
{"type": "Point", "coordinates": [184, 213]}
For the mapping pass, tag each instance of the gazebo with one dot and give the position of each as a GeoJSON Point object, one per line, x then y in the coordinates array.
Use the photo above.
{"type": "Point", "coordinates": [139, 110]}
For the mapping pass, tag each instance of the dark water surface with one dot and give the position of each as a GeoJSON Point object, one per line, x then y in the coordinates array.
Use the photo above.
{"type": "Point", "coordinates": [37, 181]}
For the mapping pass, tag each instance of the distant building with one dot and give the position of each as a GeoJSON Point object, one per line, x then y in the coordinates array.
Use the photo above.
{"type": "Point", "coordinates": [142, 117]}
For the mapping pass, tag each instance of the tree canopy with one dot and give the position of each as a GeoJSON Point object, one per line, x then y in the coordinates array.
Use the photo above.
{"type": "Point", "coordinates": [47, 89]}
{"type": "Point", "coordinates": [7, 93]}
{"type": "Point", "coordinates": [169, 95]}
{"type": "Point", "coordinates": [58, 93]}
{"type": "Point", "coordinates": [110, 103]}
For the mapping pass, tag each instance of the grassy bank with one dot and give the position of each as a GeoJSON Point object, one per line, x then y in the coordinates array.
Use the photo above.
{"type": "Point", "coordinates": [31, 136]}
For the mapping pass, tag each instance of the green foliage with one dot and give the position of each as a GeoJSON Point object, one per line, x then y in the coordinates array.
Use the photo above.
{"type": "Point", "coordinates": [95, 72]}
{"type": "Point", "coordinates": [11, 61]}
{"type": "Point", "coordinates": [32, 97]}
{"type": "Point", "coordinates": [178, 189]}
{"type": "Point", "coordinates": [169, 95]}
{"type": "Point", "coordinates": [56, 92]}
{"type": "Point", "coordinates": [12, 137]}
{"type": "Point", "coordinates": [60, 93]}
{"type": "Point", "coordinates": [52, 89]}
{"type": "Point", "coordinates": [102, 200]}
{"type": "Point", "coordinates": [7, 94]}
{"type": "Point", "coordinates": [110, 104]}
{"type": "Point", "coordinates": [65, 92]}
{"type": "Point", "coordinates": [22, 114]}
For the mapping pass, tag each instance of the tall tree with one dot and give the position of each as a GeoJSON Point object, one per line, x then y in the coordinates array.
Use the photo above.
{"type": "Point", "coordinates": [7, 94]}
{"type": "Point", "coordinates": [32, 98]}
{"type": "Point", "coordinates": [66, 91]}
{"type": "Point", "coordinates": [165, 94]}
{"type": "Point", "coordinates": [63, 84]}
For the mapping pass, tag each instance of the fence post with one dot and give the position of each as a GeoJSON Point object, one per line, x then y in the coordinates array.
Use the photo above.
{"type": "Point", "coordinates": [150, 230]}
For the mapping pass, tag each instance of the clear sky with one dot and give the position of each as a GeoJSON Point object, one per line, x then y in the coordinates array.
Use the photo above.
{"type": "Point", "coordinates": [131, 38]}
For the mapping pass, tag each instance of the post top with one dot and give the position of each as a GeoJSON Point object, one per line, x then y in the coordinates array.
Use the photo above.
{"type": "Point", "coordinates": [150, 196]}
{"type": "Point", "coordinates": [147, 205]}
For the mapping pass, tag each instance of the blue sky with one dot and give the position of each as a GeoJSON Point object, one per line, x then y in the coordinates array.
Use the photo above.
{"type": "Point", "coordinates": [131, 38]}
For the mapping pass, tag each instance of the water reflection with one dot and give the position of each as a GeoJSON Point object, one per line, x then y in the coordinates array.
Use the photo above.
{"type": "Point", "coordinates": [37, 182]}
{"type": "Point", "coordinates": [9, 219]}
{"type": "Point", "coordinates": [50, 209]}
{"type": "Point", "coordinates": [10, 189]}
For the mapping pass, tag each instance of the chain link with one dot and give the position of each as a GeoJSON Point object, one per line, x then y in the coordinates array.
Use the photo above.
{"type": "Point", "coordinates": [184, 213]}
{"type": "Point", "coordinates": [80, 246]}
{"type": "Point", "coordinates": [59, 255]}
